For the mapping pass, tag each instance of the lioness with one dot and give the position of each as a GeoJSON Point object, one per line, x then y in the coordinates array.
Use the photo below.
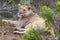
{"type": "Point", "coordinates": [27, 18]}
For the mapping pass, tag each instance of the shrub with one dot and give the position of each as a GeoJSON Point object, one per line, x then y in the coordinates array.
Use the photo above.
{"type": "Point", "coordinates": [58, 4]}
{"type": "Point", "coordinates": [48, 14]}
{"type": "Point", "coordinates": [31, 35]}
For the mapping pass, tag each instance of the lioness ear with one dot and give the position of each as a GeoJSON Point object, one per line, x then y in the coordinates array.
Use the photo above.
{"type": "Point", "coordinates": [29, 7]}
{"type": "Point", "coordinates": [19, 5]}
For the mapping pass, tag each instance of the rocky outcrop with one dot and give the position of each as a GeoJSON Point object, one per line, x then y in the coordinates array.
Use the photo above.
{"type": "Point", "coordinates": [6, 10]}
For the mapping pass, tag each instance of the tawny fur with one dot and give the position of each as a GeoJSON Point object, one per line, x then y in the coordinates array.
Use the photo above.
{"type": "Point", "coordinates": [27, 18]}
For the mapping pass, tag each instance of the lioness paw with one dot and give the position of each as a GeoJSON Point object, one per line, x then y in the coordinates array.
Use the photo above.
{"type": "Point", "coordinates": [4, 20]}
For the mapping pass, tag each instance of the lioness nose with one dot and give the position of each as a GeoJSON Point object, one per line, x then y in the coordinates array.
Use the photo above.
{"type": "Point", "coordinates": [20, 12]}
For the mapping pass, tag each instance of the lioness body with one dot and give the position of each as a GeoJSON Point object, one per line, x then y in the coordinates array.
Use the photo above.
{"type": "Point", "coordinates": [27, 18]}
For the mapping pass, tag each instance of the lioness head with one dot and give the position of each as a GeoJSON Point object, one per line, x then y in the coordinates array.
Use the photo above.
{"type": "Point", "coordinates": [24, 11]}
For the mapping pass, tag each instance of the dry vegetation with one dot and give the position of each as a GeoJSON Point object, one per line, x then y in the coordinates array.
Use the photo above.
{"type": "Point", "coordinates": [6, 32]}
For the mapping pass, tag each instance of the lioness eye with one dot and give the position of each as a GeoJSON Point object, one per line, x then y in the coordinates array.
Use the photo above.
{"type": "Point", "coordinates": [24, 10]}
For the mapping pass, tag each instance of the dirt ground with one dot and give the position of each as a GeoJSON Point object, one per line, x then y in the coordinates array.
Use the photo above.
{"type": "Point", "coordinates": [6, 32]}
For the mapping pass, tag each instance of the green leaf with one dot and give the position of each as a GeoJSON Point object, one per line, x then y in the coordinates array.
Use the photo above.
{"type": "Point", "coordinates": [48, 14]}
